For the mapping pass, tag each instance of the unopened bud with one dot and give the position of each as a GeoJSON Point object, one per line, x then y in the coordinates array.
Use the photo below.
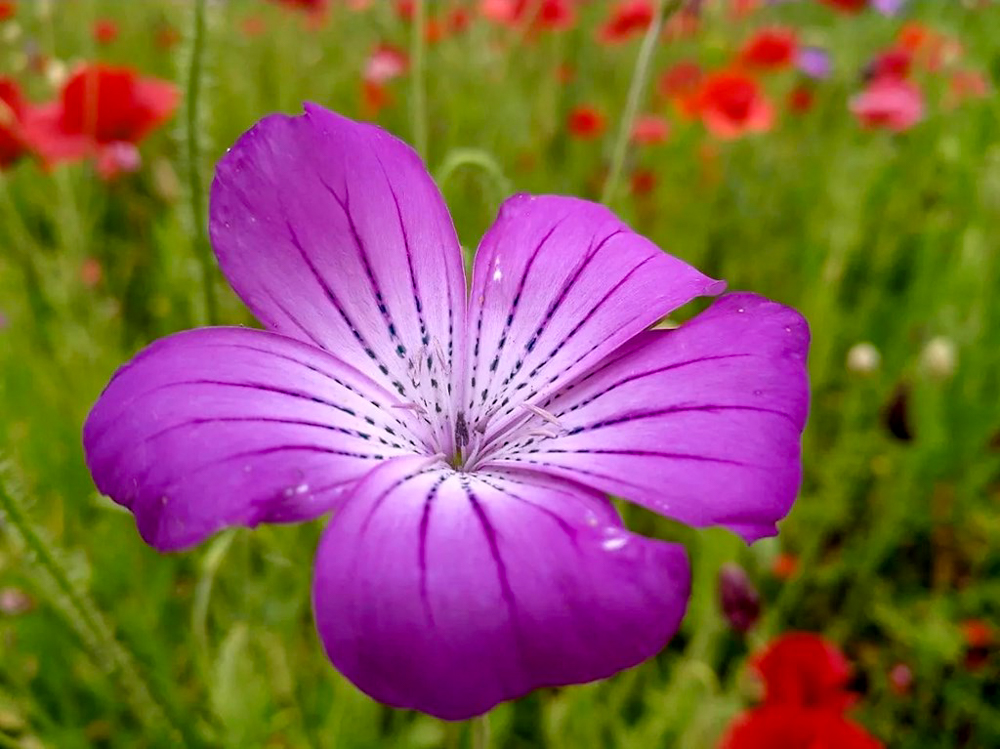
{"type": "Point", "coordinates": [738, 598]}
{"type": "Point", "coordinates": [55, 73]}
{"type": "Point", "coordinates": [863, 358]}
{"type": "Point", "coordinates": [940, 357]}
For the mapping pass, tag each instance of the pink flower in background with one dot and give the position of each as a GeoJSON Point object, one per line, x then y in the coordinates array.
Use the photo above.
{"type": "Point", "coordinates": [890, 104]}
{"type": "Point", "coordinates": [650, 129]}
{"type": "Point", "coordinates": [552, 15]}
{"type": "Point", "coordinates": [967, 84]}
{"type": "Point", "coordinates": [465, 437]}
{"type": "Point", "coordinates": [385, 63]}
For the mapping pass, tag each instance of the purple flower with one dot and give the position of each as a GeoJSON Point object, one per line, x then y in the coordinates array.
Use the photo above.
{"type": "Point", "coordinates": [814, 62]}
{"type": "Point", "coordinates": [888, 7]}
{"type": "Point", "coordinates": [465, 441]}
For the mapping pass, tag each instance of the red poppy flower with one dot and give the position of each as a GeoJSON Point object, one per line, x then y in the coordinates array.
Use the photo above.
{"type": "Point", "coordinates": [893, 63]}
{"type": "Point", "coordinates": [12, 110]}
{"type": "Point", "coordinates": [791, 727]}
{"type": "Point", "coordinates": [310, 6]}
{"type": "Point", "coordinates": [650, 129]}
{"type": "Point", "coordinates": [977, 633]}
{"type": "Point", "coordinates": [8, 9]}
{"type": "Point", "coordinates": [770, 49]}
{"type": "Point", "coordinates": [551, 15]}
{"type": "Point", "coordinates": [803, 669]}
{"type": "Point", "coordinates": [681, 84]}
{"type": "Point", "coordinates": [253, 26]}
{"type": "Point", "coordinates": [740, 9]}
{"type": "Point", "coordinates": [458, 20]}
{"type": "Point", "coordinates": [586, 122]}
{"type": "Point", "coordinates": [565, 73]}
{"type": "Point", "coordinates": [889, 104]}
{"type": "Point", "coordinates": [99, 106]}
{"type": "Point", "coordinates": [105, 30]}
{"type": "Point", "coordinates": [847, 6]}
{"type": "Point", "coordinates": [732, 104]}
{"type": "Point", "coordinates": [967, 84]}
{"type": "Point", "coordinates": [642, 182]}
{"type": "Point", "coordinates": [801, 99]}
{"type": "Point", "coordinates": [405, 10]}
{"type": "Point", "coordinates": [167, 37]}
{"type": "Point", "coordinates": [785, 566]}
{"type": "Point", "coordinates": [914, 36]}
{"type": "Point", "coordinates": [627, 18]}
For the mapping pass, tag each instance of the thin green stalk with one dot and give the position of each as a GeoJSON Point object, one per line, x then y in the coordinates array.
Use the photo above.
{"type": "Point", "coordinates": [418, 89]}
{"type": "Point", "coordinates": [480, 729]}
{"type": "Point", "coordinates": [194, 84]}
{"type": "Point", "coordinates": [82, 613]}
{"type": "Point", "coordinates": [664, 10]}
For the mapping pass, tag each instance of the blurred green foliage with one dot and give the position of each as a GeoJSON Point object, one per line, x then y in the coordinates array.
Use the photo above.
{"type": "Point", "coordinates": [880, 238]}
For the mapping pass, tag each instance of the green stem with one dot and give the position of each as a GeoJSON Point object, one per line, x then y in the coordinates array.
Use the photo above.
{"type": "Point", "coordinates": [82, 613]}
{"type": "Point", "coordinates": [480, 729]}
{"type": "Point", "coordinates": [194, 84]}
{"type": "Point", "coordinates": [664, 9]}
{"type": "Point", "coordinates": [418, 92]}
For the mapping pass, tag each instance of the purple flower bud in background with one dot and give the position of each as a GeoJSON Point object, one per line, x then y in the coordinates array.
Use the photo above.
{"type": "Point", "coordinates": [814, 62]}
{"type": "Point", "coordinates": [888, 7]}
{"type": "Point", "coordinates": [738, 598]}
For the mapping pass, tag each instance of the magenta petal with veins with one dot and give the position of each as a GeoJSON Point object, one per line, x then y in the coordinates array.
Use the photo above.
{"type": "Point", "coordinates": [464, 441]}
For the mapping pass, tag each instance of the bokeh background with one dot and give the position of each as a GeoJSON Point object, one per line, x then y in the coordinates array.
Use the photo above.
{"type": "Point", "coordinates": [846, 162]}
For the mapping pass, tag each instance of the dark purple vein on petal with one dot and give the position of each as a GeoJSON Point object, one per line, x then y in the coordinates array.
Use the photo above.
{"type": "Point", "coordinates": [630, 378]}
{"type": "Point", "coordinates": [425, 521]}
{"type": "Point", "coordinates": [335, 301]}
{"type": "Point", "coordinates": [554, 306]}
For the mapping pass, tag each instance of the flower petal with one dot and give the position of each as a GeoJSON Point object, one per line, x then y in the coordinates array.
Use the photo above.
{"type": "Point", "coordinates": [702, 424]}
{"type": "Point", "coordinates": [559, 283]}
{"type": "Point", "coordinates": [230, 426]}
{"type": "Point", "coordinates": [333, 232]}
{"type": "Point", "coordinates": [449, 592]}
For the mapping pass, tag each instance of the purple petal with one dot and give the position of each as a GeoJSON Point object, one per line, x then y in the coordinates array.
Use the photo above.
{"type": "Point", "coordinates": [230, 426]}
{"type": "Point", "coordinates": [701, 424]}
{"type": "Point", "coordinates": [888, 7]}
{"type": "Point", "coordinates": [814, 62]}
{"type": "Point", "coordinates": [559, 283]}
{"type": "Point", "coordinates": [449, 592]}
{"type": "Point", "coordinates": [333, 232]}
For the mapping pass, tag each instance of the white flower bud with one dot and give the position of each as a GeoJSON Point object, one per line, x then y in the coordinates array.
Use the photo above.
{"type": "Point", "coordinates": [940, 357]}
{"type": "Point", "coordinates": [863, 358]}
{"type": "Point", "coordinates": [55, 73]}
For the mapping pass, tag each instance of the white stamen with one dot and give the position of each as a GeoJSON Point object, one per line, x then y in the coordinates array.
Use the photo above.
{"type": "Point", "coordinates": [409, 406]}
{"type": "Point", "coordinates": [542, 413]}
{"type": "Point", "coordinates": [543, 433]}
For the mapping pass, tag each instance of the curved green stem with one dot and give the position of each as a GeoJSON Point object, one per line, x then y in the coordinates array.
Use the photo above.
{"type": "Point", "coordinates": [194, 79]}
{"type": "Point", "coordinates": [86, 619]}
{"type": "Point", "coordinates": [480, 729]}
{"type": "Point", "coordinates": [664, 9]}
{"type": "Point", "coordinates": [478, 159]}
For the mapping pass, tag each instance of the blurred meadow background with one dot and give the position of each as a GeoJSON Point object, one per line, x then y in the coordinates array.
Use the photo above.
{"type": "Point", "coordinates": [843, 160]}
